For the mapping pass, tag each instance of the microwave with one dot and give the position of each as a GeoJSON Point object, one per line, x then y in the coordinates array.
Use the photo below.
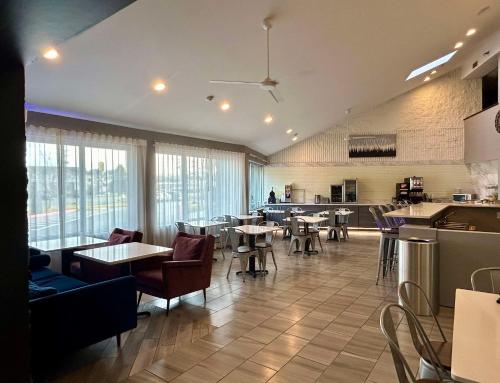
{"type": "Point", "coordinates": [462, 197]}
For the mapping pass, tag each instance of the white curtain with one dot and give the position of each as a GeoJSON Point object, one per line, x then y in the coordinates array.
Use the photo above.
{"type": "Point", "coordinates": [195, 183]}
{"type": "Point", "coordinates": [256, 185]}
{"type": "Point", "coordinates": [83, 183]}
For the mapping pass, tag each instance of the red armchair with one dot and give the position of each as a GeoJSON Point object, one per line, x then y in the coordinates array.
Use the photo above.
{"type": "Point", "coordinates": [188, 269]}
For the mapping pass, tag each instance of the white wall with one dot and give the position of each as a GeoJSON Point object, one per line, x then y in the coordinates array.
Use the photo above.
{"type": "Point", "coordinates": [429, 125]}
{"type": "Point", "coordinates": [377, 183]}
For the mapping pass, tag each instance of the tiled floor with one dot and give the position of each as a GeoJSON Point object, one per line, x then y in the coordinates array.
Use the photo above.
{"type": "Point", "coordinates": [315, 320]}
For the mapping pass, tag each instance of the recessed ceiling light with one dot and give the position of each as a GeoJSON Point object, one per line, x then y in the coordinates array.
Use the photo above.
{"type": "Point", "coordinates": [459, 45]}
{"type": "Point", "coordinates": [427, 79]}
{"type": "Point", "coordinates": [470, 32]}
{"type": "Point", "coordinates": [268, 119]}
{"type": "Point", "coordinates": [289, 131]}
{"type": "Point", "coordinates": [431, 65]}
{"type": "Point", "coordinates": [51, 54]}
{"type": "Point", "coordinates": [434, 71]}
{"type": "Point", "coordinates": [295, 137]}
{"type": "Point", "coordinates": [225, 106]}
{"type": "Point", "coordinates": [159, 86]}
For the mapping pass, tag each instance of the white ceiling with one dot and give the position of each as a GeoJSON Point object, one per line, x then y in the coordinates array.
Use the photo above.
{"type": "Point", "coordinates": [328, 55]}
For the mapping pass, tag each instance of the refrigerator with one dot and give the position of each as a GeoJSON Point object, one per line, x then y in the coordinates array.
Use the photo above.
{"type": "Point", "coordinates": [350, 191]}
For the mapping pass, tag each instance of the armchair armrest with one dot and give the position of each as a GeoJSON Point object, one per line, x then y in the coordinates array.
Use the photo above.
{"type": "Point", "coordinates": [179, 264]}
{"type": "Point", "coordinates": [151, 263]}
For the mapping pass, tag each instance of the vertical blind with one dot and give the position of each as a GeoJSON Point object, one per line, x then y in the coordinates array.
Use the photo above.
{"type": "Point", "coordinates": [83, 183]}
{"type": "Point", "coordinates": [256, 185]}
{"type": "Point", "coordinates": [195, 183]}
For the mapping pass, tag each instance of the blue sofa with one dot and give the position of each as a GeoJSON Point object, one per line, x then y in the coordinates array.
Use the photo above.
{"type": "Point", "coordinates": [77, 314]}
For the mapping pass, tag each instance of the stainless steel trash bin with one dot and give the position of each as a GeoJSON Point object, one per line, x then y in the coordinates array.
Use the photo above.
{"type": "Point", "coordinates": [419, 263]}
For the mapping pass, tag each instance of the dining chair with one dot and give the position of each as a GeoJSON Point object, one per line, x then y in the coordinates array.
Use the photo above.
{"type": "Point", "coordinates": [232, 221]}
{"type": "Point", "coordinates": [387, 244]}
{"type": "Point", "coordinates": [314, 231]}
{"type": "Point", "coordinates": [219, 234]}
{"type": "Point", "coordinates": [442, 348]}
{"type": "Point", "coordinates": [287, 229]}
{"type": "Point", "coordinates": [299, 237]}
{"type": "Point", "coordinates": [182, 227]}
{"type": "Point", "coordinates": [478, 282]}
{"type": "Point", "coordinates": [343, 221]}
{"type": "Point", "coordinates": [403, 369]}
{"type": "Point", "coordinates": [242, 252]}
{"type": "Point", "coordinates": [266, 246]}
{"type": "Point", "coordinates": [332, 226]}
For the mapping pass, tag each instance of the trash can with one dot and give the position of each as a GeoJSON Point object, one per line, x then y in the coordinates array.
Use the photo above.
{"type": "Point", "coordinates": [419, 263]}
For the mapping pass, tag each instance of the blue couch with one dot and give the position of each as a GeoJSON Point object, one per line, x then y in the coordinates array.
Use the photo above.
{"type": "Point", "coordinates": [77, 314]}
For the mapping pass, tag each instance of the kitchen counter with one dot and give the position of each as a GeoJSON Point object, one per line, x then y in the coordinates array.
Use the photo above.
{"type": "Point", "coordinates": [429, 210]}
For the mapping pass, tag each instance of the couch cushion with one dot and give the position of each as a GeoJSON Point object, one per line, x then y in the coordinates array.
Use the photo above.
{"type": "Point", "coordinates": [35, 291]}
{"type": "Point", "coordinates": [42, 273]}
{"type": "Point", "coordinates": [152, 278]}
{"type": "Point", "coordinates": [117, 239]}
{"type": "Point", "coordinates": [188, 248]}
{"type": "Point", "coordinates": [61, 283]}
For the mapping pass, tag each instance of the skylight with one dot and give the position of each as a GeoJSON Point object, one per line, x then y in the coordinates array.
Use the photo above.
{"type": "Point", "coordinates": [431, 65]}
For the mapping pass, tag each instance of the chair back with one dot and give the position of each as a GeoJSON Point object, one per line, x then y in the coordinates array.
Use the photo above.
{"type": "Point", "coordinates": [135, 236]}
{"type": "Point", "coordinates": [231, 220]}
{"type": "Point", "coordinates": [409, 289]}
{"type": "Point", "coordinates": [388, 328]}
{"type": "Point", "coordinates": [181, 227]}
{"type": "Point", "coordinates": [343, 219]}
{"type": "Point", "coordinates": [332, 218]}
{"type": "Point", "coordinates": [379, 221]}
{"type": "Point", "coordinates": [294, 223]}
{"type": "Point", "coordinates": [234, 238]}
{"type": "Point", "coordinates": [486, 280]}
{"type": "Point", "coordinates": [270, 236]}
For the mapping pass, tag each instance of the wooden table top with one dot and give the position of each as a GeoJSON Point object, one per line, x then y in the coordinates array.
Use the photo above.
{"type": "Point", "coordinates": [123, 253]}
{"type": "Point", "coordinates": [256, 230]}
{"type": "Point", "coordinates": [476, 337]}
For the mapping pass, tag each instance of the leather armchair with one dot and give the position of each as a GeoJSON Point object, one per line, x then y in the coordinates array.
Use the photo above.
{"type": "Point", "coordinates": [163, 277]}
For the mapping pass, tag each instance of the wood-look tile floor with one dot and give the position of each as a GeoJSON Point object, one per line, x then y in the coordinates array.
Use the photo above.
{"type": "Point", "coordinates": [314, 320]}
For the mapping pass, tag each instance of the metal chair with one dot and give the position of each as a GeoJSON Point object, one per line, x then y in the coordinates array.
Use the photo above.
{"type": "Point", "coordinates": [332, 226]}
{"type": "Point", "coordinates": [232, 221]}
{"type": "Point", "coordinates": [237, 251]}
{"type": "Point", "coordinates": [494, 274]}
{"type": "Point", "coordinates": [219, 234]}
{"type": "Point", "coordinates": [441, 348]}
{"type": "Point", "coordinates": [342, 222]}
{"type": "Point", "coordinates": [299, 237]}
{"type": "Point", "coordinates": [388, 238]}
{"type": "Point", "coordinates": [403, 370]}
{"type": "Point", "coordinates": [182, 227]}
{"type": "Point", "coordinates": [266, 246]}
{"type": "Point", "coordinates": [287, 229]}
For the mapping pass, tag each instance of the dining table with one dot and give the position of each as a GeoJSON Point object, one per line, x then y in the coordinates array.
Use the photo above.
{"type": "Point", "coordinates": [308, 221]}
{"type": "Point", "coordinates": [204, 225]}
{"type": "Point", "coordinates": [123, 255]}
{"type": "Point", "coordinates": [476, 337]}
{"type": "Point", "coordinates": [252, 232]}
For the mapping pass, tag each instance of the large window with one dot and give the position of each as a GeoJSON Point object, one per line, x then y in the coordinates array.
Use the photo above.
{"type": "Point", "coordinates": [82, 184]}
{"type": "Point", "coordinates": [256, 185]}
{"type": "Point", "coordinates": [194, 183]}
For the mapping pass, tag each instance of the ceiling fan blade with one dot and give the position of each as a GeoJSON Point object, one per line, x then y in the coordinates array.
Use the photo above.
{"type": "Point", "coordinates": [276, 95]}
{"type": "Point", "coordinates": [234, 82]}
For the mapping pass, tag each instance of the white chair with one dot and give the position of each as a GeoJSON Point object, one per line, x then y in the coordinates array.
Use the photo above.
{"type": "Point", "coordinates": [241, 252]}
{"type": "Point", "coordinates": [314, 231]}
{"type": "Point", "coordinates": [479, 284]}
{"type": "Point", "coordinates": [232, 221]}
{"type": "Point", "coordinates": [182, 227]}
{"type": "Point", "coordinates": [332, 226]}
{"type": "Point", "coordinates": [220, 235]}
{"type": "Point", "coordinates": [299, 237]}
{"type": "Point", "coordinates": [266, 246]}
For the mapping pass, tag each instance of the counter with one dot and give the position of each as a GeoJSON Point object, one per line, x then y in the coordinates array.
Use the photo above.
{"type": "Point", "coordinates": [360, 218]}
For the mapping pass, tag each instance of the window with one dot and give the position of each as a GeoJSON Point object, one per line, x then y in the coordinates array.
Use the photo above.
{"type": "Point", "coordinates": [193, 184]}
{"type": "Point", "coordinates": [82, 184]}
{"type": "Point", "coordinates": [256, 185]}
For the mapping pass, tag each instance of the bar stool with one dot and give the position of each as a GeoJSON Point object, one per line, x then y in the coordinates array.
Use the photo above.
{"type": "Point", "coordinates": [388, 238]}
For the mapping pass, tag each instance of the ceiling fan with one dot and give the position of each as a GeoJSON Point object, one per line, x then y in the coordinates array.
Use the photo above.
{"type": "Point", "coordinates": [268, 84]}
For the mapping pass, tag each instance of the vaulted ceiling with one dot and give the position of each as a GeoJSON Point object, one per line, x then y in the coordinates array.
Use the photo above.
{"type": "Point", "coordinates": [327, 56]}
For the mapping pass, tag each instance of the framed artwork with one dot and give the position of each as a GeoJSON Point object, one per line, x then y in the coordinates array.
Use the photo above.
{"type": "Point", "coordinates": [378, 145]}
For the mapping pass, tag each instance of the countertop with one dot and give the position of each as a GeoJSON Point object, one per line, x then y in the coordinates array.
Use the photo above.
{"type": "Point", "coordinates": [427, 210]}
